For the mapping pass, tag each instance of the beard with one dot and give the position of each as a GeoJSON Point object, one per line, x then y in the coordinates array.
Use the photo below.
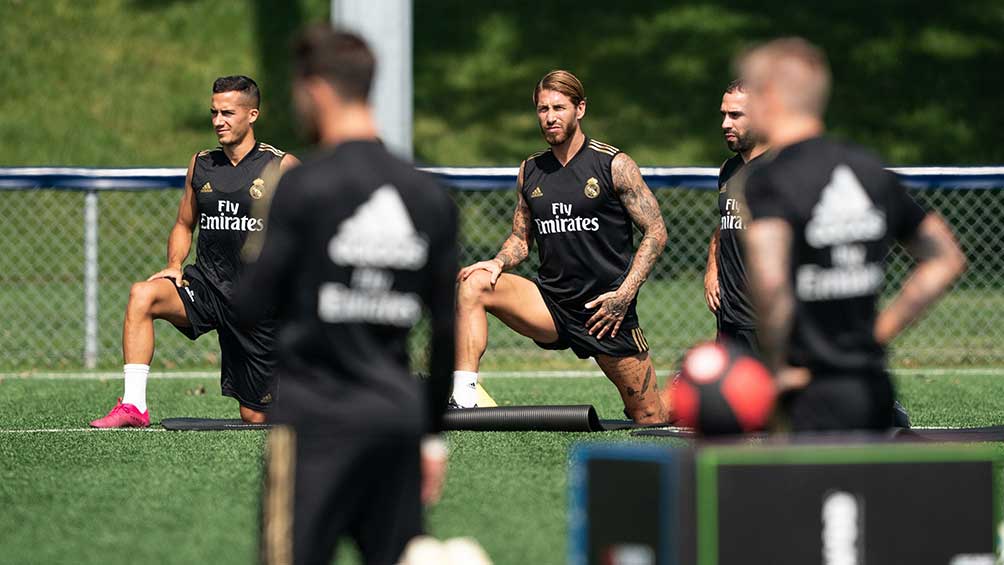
{"type": "Point", "coordinates": [557, 138]}
{"type": "Point", "coordinates": [742, 143]}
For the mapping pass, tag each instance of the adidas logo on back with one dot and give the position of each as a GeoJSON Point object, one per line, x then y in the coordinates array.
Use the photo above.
{"type": "Point", "coordinates": [380, 234]}
{"type": "Point", "coordinates": [845, 213]}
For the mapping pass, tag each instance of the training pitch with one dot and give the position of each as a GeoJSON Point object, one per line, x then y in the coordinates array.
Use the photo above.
{"type": "Point", "coordinates": [72, 495]}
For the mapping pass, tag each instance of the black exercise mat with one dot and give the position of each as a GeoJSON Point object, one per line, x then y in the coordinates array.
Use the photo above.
{"type": "Point", "coordinates": [573, 418]}
{"type": "Point", "coordinates": [561, 418]}
{"type": "Point", "coordinates": [208, 425]}
{"type": "Point", "coordinates": [672, 431]}
{"type": "Point", "coordinates": [987, 433]}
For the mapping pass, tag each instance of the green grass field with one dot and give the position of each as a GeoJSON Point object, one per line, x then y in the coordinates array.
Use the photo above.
{"type": "Point", "coordinates": [81, 497]}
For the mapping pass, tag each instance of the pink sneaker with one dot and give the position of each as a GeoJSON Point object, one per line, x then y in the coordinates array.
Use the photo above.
{"type": "Point", "coordinates": [123, 416]}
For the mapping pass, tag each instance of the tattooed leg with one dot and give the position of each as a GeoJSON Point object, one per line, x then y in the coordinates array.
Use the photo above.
{"type": "Point", "coordinates": [635, 379]}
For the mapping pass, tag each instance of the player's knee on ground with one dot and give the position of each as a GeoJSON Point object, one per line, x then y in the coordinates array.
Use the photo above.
{"type": "Point", "coordinates": [252, 416]}
{"type": "Point", "coordinates": [474, 289]}
{"type": "Point", "coordinates": [648, 413]}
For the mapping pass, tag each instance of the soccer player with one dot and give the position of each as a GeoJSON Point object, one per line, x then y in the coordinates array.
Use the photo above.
{"type": "Point", "coordinates": [358, 245]}
{"type": "Point", "coordinates": [726, 286]}
{"type": "Point", "coordinates": [579, 201]}
{"type": "Point", "coordinates": [824, 215]}
{"type": "Point", "coordinates": [221, 188]}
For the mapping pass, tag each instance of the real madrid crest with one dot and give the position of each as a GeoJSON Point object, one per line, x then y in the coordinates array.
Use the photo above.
{"type": "Point", "coordinates": [592, 189]}
{"type": "Point", "coordinates": [257, 189]}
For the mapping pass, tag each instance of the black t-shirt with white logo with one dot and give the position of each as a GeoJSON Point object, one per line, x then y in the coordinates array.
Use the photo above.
{"type": "Point", "coordinates": [225, 196]}
{"type": "Point", "coordinates": [359, 245]}
{"type": "Point", "coordinates": [736, 307]}
{"type": "Point", "coordinates": [584, 236]}
{"type": "Point", "coordinates": [845, 211]}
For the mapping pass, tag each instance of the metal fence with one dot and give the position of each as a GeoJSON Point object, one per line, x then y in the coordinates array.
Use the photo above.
{"type": "Point", "coordinates": [74, 240]}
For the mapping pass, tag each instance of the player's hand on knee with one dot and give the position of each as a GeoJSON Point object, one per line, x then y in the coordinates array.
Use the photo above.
{"type": "Point", "coordinates": [613, 307]}
{"type": "Point", "coordinates": [493, 267]}
{"type": "Point", "coordinates": [712, 293]}
{"type": "Point", "coordinates": [172, 273]}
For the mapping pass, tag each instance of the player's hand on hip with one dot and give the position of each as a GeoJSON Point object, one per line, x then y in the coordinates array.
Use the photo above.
{"type": "Point", "coordinates": [712, 292]}
{"type": "Point", "coordinates": [172, 273]}
{"type": "Point", "coordinates": [613, 306]}
{"type": "Point", "coordinates": [493, 267]}
{"type": "Point", "coordinates": [792, 378]}
{"type": "Point", "coordinates": [434, 461]}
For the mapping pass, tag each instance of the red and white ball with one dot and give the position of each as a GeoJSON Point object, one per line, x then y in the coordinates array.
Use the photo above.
{"type": "Point", "coordinates": [723, 390]}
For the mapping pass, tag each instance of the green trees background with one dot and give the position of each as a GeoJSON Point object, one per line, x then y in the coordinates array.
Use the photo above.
{"type": "Point", "coordinates": [126, 82]}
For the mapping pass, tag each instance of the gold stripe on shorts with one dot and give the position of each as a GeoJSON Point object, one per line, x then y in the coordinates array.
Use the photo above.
{"type": "Point", "coordinates": [277, 515]}
{"type": "Point", "coordinates": [639, 340]}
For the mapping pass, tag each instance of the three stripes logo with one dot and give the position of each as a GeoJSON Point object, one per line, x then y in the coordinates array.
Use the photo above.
{"type": "Point", "coordinates": [537, 193]}
{"type": "Point", "coordinates": [206, 188]}
{"type": "Point", "coordinates": [603, 147]}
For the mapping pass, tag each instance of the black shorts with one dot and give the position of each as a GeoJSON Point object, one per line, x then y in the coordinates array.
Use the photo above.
{"type": "Point", "coordinates": [320, 488]}
{"type": "Point", "coordinates": [831, 403]}
{"type": "Point", "coordinates": [247, 356]}
{"type": "Point", "coordinates": [745, 338]}
{"type": "Point", "coordinates": [574, 334]}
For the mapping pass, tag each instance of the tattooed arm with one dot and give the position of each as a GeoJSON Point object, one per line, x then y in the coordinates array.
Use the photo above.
{"type": "Point", "coordinates": [939, 262]}
{"type": "Point", "coordinates": [768, 257]}
{"type": "Point", "coordinates": [516, 247]}
{"type": "Point", "coordinates": [643, 208]}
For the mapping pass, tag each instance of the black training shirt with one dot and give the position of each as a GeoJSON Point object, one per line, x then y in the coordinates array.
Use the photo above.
{"type": "Point", "coordinates": [584, 235]}
{"type": "Point", "coordinates": [359, 244]}
{"type": "Point", "coordinates": [226, 196]}
{"type": "Point", "coordinates": [845, 211]}
{"type": "Point", "coordinates": [736, 306]}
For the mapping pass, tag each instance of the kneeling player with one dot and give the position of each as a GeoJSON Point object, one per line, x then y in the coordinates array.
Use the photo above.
{"type": "Point", "coordinates": [221, 186]}
{"type": "Point", "coordinates": [579, 201]}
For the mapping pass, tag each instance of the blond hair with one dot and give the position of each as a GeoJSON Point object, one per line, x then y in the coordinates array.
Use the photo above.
{"type": "Point", "coordinates": [797, 68]}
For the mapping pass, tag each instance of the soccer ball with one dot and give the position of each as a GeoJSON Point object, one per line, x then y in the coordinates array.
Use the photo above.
{"type": "Point", "coordinates": [723, 390]}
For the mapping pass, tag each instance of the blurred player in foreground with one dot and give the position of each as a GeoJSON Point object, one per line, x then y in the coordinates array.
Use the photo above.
{"type": "Point", "coordinates": [726, 284]}
{"type": "Point", "coordinates": [221, 187]}
{"type": "Point", "coordinates": [358, 245]}
{"type": "Point", "coordinates": [579, 201]}
{"type": "Point", "coordinates": [824, 215]}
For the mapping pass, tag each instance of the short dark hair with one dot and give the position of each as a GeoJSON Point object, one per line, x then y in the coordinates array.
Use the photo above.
{"type": "Point", "coordinates": [340, 57]}
{"type": "Point", "coordinates": [735, 86]}
{"type": "Point", "coordinates": [239, 83]}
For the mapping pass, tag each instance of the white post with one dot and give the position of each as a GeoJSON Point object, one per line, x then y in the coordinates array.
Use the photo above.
{"type": "Point", "coordinates": [386, 27]}
{"type": "Point", "coordinates": [91, 279]}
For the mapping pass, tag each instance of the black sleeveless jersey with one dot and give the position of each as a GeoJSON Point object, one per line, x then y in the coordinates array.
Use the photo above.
{"type": "Point", "coordinates": [226, 197]}
{"type": "Point", "coordinates": [584, 236]}
{"type": "Point", "coordinates": [736, 306]}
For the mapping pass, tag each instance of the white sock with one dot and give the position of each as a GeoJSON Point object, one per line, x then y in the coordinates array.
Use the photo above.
{"type": "Point", "coordinates": [465, 388]}
{"type": "Point", "coordinates": [135, 385]}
